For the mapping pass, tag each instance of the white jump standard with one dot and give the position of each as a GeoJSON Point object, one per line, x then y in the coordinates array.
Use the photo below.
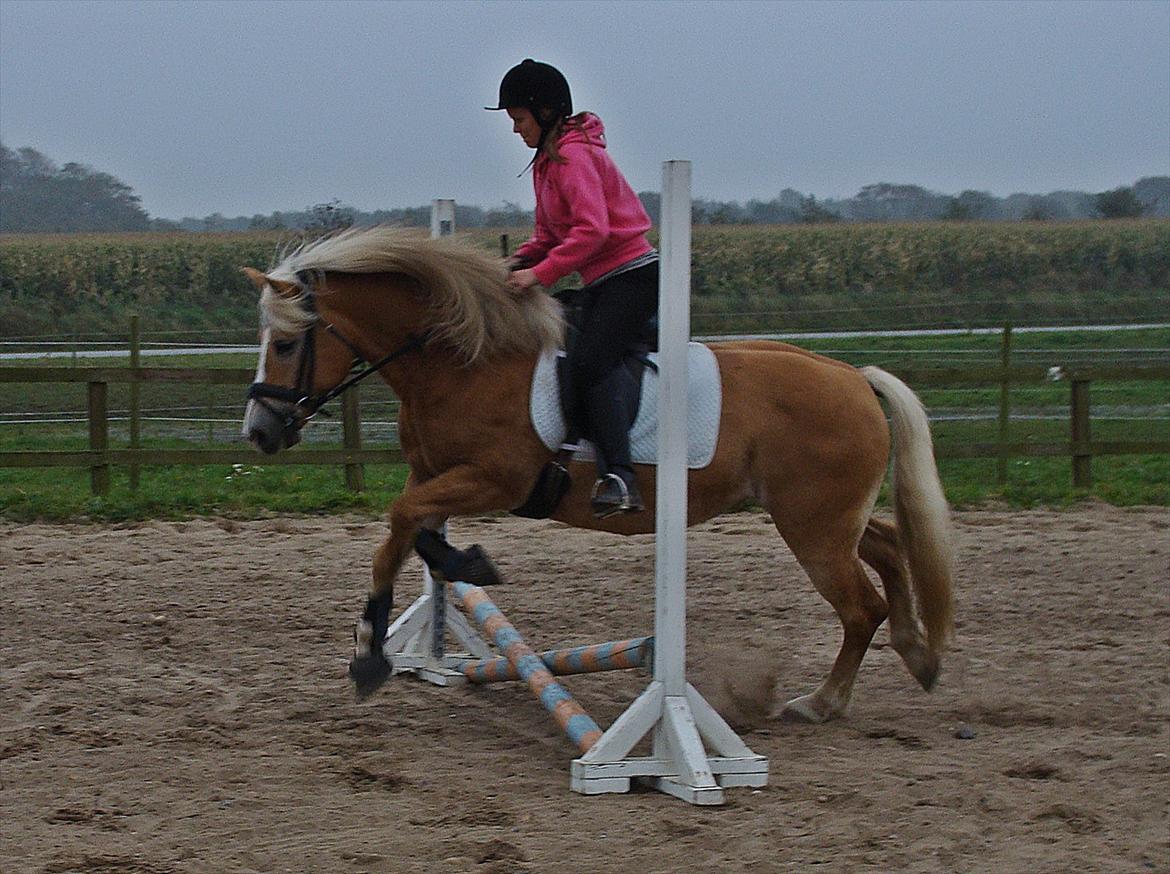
{"type": "Point", "coordinates": [671, 708]}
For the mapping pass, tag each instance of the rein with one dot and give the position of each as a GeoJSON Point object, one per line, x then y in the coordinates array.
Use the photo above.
{"type": "Point", "coordinates": [301, 396]}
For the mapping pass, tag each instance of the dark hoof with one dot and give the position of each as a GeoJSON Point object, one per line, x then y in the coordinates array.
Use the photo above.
{"type": "Point", "coordinates": [477, 569]}
{"type": "Point", "coordinates": [368, 673]}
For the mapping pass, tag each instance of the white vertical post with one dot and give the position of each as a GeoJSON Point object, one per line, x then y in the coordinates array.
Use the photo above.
{"type": "Point", "coordinates": [677, 715]}
{"type": "Point", "coordinates": [676, 736]}
{"type": "Point", "coordinates": [442, 217]}
{"type": "Point", "coordinates": [674, 327]}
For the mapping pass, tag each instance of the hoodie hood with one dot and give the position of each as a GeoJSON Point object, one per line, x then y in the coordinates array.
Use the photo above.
{"type": "Point", "coordinates": [588, 131]}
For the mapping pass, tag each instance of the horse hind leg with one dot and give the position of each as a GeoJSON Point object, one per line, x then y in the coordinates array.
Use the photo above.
{"type": "Point", "coordinates": [879, 549]}
{"type": "Point", "coordinates": [842, 582]}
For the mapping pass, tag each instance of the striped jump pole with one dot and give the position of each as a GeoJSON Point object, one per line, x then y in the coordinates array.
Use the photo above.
{"type": "Point", "coordinates": [574, 721]}
{"type": "Point", "coordinates": [616, 655]}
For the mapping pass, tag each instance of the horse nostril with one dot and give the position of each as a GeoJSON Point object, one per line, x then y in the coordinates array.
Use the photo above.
{"type": "Point", "coordinates": [262, 440]}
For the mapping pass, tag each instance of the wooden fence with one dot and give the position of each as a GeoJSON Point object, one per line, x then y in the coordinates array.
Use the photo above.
{"type": "Point", "coordinates": [99, 457]}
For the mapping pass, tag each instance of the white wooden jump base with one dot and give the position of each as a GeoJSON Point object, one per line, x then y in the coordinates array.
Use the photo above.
{"type": "Point", "coordinates": [670, 711]}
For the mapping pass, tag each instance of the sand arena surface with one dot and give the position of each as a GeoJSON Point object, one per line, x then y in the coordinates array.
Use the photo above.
{"type": "Point", "coordinates": [174, 700]}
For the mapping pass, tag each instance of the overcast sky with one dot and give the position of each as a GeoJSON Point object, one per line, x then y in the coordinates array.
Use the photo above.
{"type": "Point", "coordinates": [251, 106]}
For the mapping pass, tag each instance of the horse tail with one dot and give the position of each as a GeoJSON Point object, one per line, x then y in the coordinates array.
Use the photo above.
{"type": "Point", "coordinates": [920, 508]}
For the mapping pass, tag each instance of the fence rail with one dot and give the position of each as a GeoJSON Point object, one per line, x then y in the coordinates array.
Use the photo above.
{"type": "Point", "coordinates": [100, 457]}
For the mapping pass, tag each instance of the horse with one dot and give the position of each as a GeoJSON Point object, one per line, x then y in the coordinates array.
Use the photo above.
{"type": "Point", "coordinates": [802, 435]}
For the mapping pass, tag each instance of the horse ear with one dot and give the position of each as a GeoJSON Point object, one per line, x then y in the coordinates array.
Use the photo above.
{"type": "Point", "coordinates": [284, 289]}
{"type": "Point", "coordinates": [258, 279]}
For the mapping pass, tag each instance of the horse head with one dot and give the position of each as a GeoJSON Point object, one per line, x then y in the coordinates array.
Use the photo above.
{"type": "Point", "coordinates": [302, 362]}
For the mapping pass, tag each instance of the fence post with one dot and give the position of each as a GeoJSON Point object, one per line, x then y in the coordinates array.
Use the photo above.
{"type": "Point", "coordinates": [442, 217]}
{"type": "Point", "coordinates": [1005, 409]}
{"type": "Point", "coordinates": [99, 438]}
{"type": "Point", "coordinates": [1082, 458]}
{"type": "Point", "coordinates": [503, 245]}
{"type": "Point", "coordinates": [351, 437]}
{"type": "Point", "coordinates": [134, 397]}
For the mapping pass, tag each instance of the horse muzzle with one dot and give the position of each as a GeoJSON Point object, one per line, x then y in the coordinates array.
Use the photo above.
{"type": "Point", "coordinates": [271, 430]}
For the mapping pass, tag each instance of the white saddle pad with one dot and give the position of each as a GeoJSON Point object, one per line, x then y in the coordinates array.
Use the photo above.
{"type": "Point", "coordinates": [704, 403]}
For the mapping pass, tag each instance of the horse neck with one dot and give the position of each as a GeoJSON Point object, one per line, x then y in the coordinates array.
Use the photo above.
{"type": "Point", "coordinates": [379, 314]}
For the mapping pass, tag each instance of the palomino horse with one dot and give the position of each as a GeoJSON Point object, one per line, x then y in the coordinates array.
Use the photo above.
{"type": "Point", "coordinates": [802, 435]}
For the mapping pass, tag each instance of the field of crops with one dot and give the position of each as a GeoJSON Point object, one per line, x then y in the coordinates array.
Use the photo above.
{"type": "Point", "coordinates": [744, 278]}
{"type": "Point", "coordinates": [930, 274]}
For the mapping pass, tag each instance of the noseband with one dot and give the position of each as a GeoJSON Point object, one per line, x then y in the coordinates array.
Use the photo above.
{"type": "Point", "coordinates": [305, 404]}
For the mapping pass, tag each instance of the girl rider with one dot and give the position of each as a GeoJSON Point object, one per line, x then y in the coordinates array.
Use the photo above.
{"type": "Point", "coordinates": [588, 221]}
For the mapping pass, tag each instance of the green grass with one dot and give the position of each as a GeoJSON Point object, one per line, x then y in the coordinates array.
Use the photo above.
{"type": "Point", "coordinates": [245, 491]}
{"type": "Point", "coordinates": [250, 491]}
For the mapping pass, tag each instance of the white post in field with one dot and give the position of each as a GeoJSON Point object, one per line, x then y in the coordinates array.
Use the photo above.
{"type": "Point", "coordinates": [679, 717]}
{"type": "Point", "coordinates": [674, 333]}
{"type": "Point", "coordinates": [442, 218]}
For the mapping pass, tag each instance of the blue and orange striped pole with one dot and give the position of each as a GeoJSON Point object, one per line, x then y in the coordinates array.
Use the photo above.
{"type": "Point", "coordinates": [613, 656]}
{"type": "Point", "coordinates": [575, 722]}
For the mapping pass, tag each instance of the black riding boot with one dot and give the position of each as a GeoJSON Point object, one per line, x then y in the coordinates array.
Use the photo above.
{"type": "Point", "coordinates": [616, 489]}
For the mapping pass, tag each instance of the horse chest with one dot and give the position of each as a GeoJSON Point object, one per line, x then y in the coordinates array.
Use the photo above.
{"type": "Point", "coordinates": [436, 436]}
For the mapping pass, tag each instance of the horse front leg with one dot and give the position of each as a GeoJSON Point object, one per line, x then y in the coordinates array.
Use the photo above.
{"type": "Point", "coordinates": [369, 667]}
{"type": "Point", "coordinates": [414, 520]}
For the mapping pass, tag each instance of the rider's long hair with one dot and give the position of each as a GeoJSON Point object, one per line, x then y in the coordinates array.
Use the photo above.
{"type": "Point", "coordinates": [552, 136]}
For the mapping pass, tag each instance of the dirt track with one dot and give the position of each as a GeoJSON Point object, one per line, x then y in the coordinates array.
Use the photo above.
{"type": "Point", "coordinates": [174, 700]}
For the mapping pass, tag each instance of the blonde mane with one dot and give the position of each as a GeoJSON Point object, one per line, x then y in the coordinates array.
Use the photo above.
{"type": "Point", "coordinates": [474, 311]}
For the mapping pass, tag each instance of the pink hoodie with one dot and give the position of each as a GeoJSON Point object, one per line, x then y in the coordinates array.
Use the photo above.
{"type": "Point", "coordinates": [588, 218]}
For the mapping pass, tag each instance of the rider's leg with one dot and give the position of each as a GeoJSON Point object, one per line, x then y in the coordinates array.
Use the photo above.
{"type": "Point", "coordinates": [614, 315]}
{"type": "Point", "coordinates": [616, 490]}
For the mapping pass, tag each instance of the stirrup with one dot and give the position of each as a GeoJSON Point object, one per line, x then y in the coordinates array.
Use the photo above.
{"type": "Point", "coordinates": [605, 509]}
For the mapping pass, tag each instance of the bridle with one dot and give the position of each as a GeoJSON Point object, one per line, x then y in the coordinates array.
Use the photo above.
{"type": "Point", "coordinates": [305, 404]}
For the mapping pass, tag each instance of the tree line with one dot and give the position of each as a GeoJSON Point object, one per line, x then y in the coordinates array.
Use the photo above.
{"type": "Point", "coordinates": [883, 201]}
{"type": "Point", "coordinates": [37, 196]}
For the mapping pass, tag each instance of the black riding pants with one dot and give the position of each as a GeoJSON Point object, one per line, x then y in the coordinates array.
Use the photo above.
{"type": "Point", "coordinates": [614, 315]}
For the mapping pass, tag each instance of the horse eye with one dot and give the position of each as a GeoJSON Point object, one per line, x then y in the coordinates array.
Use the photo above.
{"type": "Point", "coordinates": [284, 347]}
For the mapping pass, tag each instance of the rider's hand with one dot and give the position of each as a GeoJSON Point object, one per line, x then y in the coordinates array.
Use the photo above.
{"type": "Point", "coordinates": [522, 280]}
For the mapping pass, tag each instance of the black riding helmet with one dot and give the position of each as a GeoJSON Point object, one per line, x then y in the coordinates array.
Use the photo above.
{"type": "Point", "coordinates": [534, 85]}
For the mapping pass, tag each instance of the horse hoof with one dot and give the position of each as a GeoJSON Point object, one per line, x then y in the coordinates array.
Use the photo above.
{"type": "Point", "coordinates": [368, 673]}
{"type": "Point", "coordinates": [924, 666]}
{"type": "Point", "coordinates": [929, 679]}
{"type": "Point", "coordinates": [803, 710]}
{"type": "Point", "coordinates": [477, 569]}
